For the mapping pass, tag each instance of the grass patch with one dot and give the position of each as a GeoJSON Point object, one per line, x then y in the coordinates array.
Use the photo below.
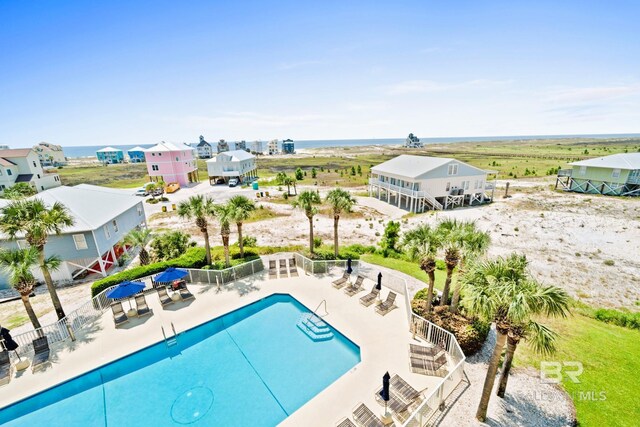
{"type": "Point", "coordinates": [263, 213]}
{"type": "Point", "coordinates": [15, 321]}
{"type": "Point", "coordinates": [609, 356]}
{"type": "Point", "coordinates": [407, 267]}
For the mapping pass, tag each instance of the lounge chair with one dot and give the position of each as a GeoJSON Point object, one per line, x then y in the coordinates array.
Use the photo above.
{"type": "Point", "coordinates": [345, 422]}
{"type": "Point", "coordinates": [369, 298]}
{"type": "Point", "coordinates": [364, 417]}
{"type": "Point", "coordinates": [339, 283]}
{"type": "Point", "coordinates": [272, 270]}
{"type": "Point", "coordinates": [402, 388]}
{"type": "Point", "coordinates": [293, 270]}
{"type": "Point", "coordinates": [387, 305]}
{"type": "Point", "coordinates": [283, 268]}
{"type": "Point", "coordinates": [396, 404]}
{"type": "Point", "coordinates": [41, 353]}
{"type": "Point", "coordinates": [351, 290]}
{"type": "Point", "coordinates": [141, 306]}
{"type": "Point", "coordinates": [426, 352]}
{"type": "Point", "coordinates": [5, 367]}
{"type": "Point", "coordinates": [119, 316]}
{"type": "Point", "coordinates": [165, 299]}
{"type": "Point", "coordinates": [185, 294]}
{"type": "Point", "coordinates": [424, 366]}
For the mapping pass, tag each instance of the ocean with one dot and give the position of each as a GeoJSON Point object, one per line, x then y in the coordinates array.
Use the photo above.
{"type": "Point", "coordinates": [90, 151]}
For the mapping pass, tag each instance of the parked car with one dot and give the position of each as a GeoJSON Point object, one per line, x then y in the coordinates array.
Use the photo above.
{"type": "Point", "coordinates": [141, 192]}
{"type": "Point", "coordinates": [233, 182]}
{"type": "Point", "coordinates": [158, 192]}
{"type": "Point", "coordinates": [172, 187]}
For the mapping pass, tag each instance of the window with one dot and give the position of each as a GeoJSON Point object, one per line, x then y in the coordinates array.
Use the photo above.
{"type": "Point", "coordinates": [154, 167]}
{"type": "Point", "coordinates": [9, 172]}
{"type": "Point", "coordinates": [159, 154]}
{"type": "Point", "coordinates": [177, 159]}
{"type": "Point", "coordinates": [115, 225]}
{"type": "Point", "coordinates": [106, 231]}
{"type": "Point", "coordinates": [448, 186]}
{"type": "Point", "coordinates": [34, 165]}
{"type": "Point", "coordinates": [80, 241]}
{"type": "Point", "coordinates": [615, 173]}
{"type": "Point", "coordinates": [38, 175]}
{"type": "Point", "coordinates": [2, 187]}
{"type": "Point", "coordinates": [583, 170]}
{"type": "Point", "coordinates": [139, 210]}
{"type": "Point", "coordinates": [466, 185]}
{"type": "Point", "coordinates": [153, 154]}
{"type": "Point", "coordinates": [452, 170]}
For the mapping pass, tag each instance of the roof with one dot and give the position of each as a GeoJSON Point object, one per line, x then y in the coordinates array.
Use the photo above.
{"type": "Point", "coordinates": [90, 206]}
{"type": "Point", "coordinates": [6, 162]}
{"type": "Point", "coordinates": [15, 152]}
{"type": "Point", "coordinates": [411, 166]}
{"type": "Point", "coordinates": [204, 143]}
{"type": "Point", "coordinates": [24, 177]}
{"type": "Point", "coordinates": [45, 146]}
{"type": "Point", "coordinates": [614, 161]}
{"type": "Point", "coordinates": [169, 146]}
{"type": "Point", "coordinates": [236, 156]}
{"type": "Point", "coordinates": [108, 149]}
{"type": "Point", "coordinates": [138, 148]}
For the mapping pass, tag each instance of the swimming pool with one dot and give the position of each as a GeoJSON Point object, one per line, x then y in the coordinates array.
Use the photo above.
{"type": "Point", "coordinates": [253, 366]}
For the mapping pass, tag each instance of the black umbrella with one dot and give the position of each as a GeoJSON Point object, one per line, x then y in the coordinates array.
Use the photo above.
{"type": "Point", "coordinates": [384, 393]}
{"type": "Point", "coordinates": [379, 285]}
{"type": "Point", "coordinates": [349, 269]}
{"type": "Point", "coordinates": [9, 343]}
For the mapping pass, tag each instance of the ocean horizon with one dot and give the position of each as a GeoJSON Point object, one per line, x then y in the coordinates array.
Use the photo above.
{"type": "Point", "coordinates": [74, 152]}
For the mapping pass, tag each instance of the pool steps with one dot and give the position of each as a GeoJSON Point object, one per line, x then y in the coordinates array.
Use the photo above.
{"type": "Point", "coordinates": [314, 327]}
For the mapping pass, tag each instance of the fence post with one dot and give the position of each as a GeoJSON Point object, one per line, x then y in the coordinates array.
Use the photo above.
{"type": "Point", "coordinates": [252, 269]}
{"type": "Point", "coordinates": [190, 276]}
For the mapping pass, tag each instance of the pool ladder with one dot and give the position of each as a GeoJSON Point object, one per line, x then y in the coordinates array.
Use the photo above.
{"type": "Point", "coordinates": [324, 301]}
{"type": "Point", "coordinates": [170, 341]}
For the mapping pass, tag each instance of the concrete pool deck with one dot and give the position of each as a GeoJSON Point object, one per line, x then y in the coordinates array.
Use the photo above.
{"type": "Point", "coordinates": [383, 341]}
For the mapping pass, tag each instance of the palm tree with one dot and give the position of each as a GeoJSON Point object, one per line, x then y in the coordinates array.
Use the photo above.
{"type": "Point", "coordinates": [36, 221]}
{"type": "Point", "coordinates": [17, 263]}
{"type": "Point", "coordinates": [290, 182]}
{"type": "Point", "coordinates": [225, 213]}
{"type": "Point", "coordinates": [450, 231]}
{"type": "Point", "coordinates": [140, 238]}
{"type": "Point", "coordinates": [473, 243]}
{"type": "Point", "coordinates": [340, 201]}
{"type": "Point", "coordinates": [243, 207]}
{"type": "Point", "coordinates": [422, 244]}
{"type": "Point", "coordinates": [501, 291]}
{"type": "Point", "coordinates": [307, 201]}
{"type": "Point", "coordinates": [199, 208]}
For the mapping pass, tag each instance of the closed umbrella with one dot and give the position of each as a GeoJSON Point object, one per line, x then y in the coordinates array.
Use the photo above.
{"type": "Point", "coordinates": [349, 269]}
{"type": "Point", "coordinates": [379, 284]}
{"type": "Point", "coordinates": [9, 343]}
{"type": "Point", "coordinates": [125, 289]}
{"type": "Point", "coordinates": [384, 393]}
{"type": "Point", "coordinates": [171, 274]}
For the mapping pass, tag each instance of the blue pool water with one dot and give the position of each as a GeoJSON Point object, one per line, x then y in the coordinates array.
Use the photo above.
{"type": "Point", "coordinates": [250, 367]}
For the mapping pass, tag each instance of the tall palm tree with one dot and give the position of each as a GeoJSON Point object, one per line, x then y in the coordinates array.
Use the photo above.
{"type": "Point", "coordinates": [199, 208]}
{"type": "Point", "coordinates": [17, 263]}
{"type": "Point", "coordinates": [290, 182]}
{"type": "Point", "coordinates": [243, 207]}
{"type": "Point", "coordinates": [140, 238]}
{"type": "Point", "coordinates": [36, 221]}
{"type": "Point", "coordinates": [501, 291]}
{"type": "Point", "coordinates": [422, 244]}
{"type": "Point", "coordinates": [307, 201]}
{"type": "Point", "coordinates": [225, 214]}
{"type": "Point", "coordinates": [451, 234]}
{"type": "Point", "coordinates": [340, 201]}
{"type": "Point", "coordinates": [473, 243]}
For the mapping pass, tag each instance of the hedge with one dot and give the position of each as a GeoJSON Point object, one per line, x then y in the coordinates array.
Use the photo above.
{"type": "Point", "coordinates": [620, 318]}
{"type": "Point", "coordinates": [192, 258]}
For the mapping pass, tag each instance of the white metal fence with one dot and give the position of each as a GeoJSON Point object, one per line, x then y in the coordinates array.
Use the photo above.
{"type": "Point", "coordinates": [94, 308]}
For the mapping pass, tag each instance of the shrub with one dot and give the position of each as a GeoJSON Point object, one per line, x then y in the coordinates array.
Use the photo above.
{"type": "Point", "coordinates": [317, 242]}
{"type": "Point", "coordinates": [617, 317]}
{"type": "Point", "coordinates": [249, 241]}
{"type": "Point", "coordinates": [192, 258]}
{"type": "Point", "coordinates": [391, 235]}
{"type": "Point", "coordinates": [170, 245]}
{"type": "Point", "coordinates": [152, 201]}
{"type": "Point", "coordinates": [609, 262]}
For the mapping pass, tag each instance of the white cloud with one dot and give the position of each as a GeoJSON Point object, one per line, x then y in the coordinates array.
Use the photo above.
{"type": "Point", "coordinates": [426, 86]}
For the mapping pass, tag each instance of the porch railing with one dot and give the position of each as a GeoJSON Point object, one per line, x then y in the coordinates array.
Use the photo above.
{"type": "Point", "coordinates": [407, 192]}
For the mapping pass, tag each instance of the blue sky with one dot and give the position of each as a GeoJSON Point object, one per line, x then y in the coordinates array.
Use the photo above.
{"type": "Point", "coordinates": [133, 72]}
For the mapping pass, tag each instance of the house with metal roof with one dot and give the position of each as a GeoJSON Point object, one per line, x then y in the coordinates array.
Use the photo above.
{"type": "Point", "coordinates": [232, 164]}
{"type": "Point", "coordinates": [93, 244]}
{"type": "Point", "coordinates": [419, 183]}
{"type": "Point", "coordinates": [136, 154]}
{"type": "Point", "coordinates": [614, 175]}
{"type": "Point", "coordinates": [171, 162]}
{"type": "Point", "coordinates": [110, 155]}
{"type": "Point", "coordinates": [205, 151]}
{"type": "Point", "coordinates": [23, 165]}
{"type": "Point", "coordinates": [50, 155]}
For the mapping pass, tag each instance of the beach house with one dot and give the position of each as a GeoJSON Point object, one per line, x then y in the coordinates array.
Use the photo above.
{"type": "Point", "coordinates": [273, 147]}
{"type": "Point", "coordinates": [412, 141]}
{"type": "Point", "coordinates": [102, 217]}
{"type": "Point", "coordinates": [136, 155]}
{"type": "Point", "coordinates": [23, 165]}
{"type": "Point", "coordinates": [170, 162]}
{"type": "Point", "coordinates": [614, 175]}
{"type": "Point", "coordinates": [204, 149]}
{"type": "Point", "coordinates": [256, 147]}
{"type": "Point", "coordinates": [232, 164]}
{"type": "Point", "coordinates": [240, 145]}
{"type": "Point", "coordinates": [288, 147]}
{"type": "Point", "coordinates": [110, 155]}
{"type": "Point", "coordinates": [223, 146]}
{"type": "Point", "coordinates": [50, 155]}
{"type": "Point", "coordinates": [419, 183]}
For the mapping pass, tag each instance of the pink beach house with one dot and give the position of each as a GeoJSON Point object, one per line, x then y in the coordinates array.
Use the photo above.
{"type": "Point", "coordinates": [170, 162]}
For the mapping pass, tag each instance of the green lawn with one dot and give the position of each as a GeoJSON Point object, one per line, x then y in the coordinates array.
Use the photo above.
{"type": "Point", "coordinates": [410, 268]}
{"type": "Point", "coordinates": [610, 357]}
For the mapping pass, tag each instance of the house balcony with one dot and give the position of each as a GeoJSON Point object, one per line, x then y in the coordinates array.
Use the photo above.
{"type": "Point", "coordinates": [564, 172]}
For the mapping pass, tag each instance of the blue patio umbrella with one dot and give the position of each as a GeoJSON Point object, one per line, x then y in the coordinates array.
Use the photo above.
{"type": "Point", "coordinates": [349, 269]}
{"type": "Point", "coordinates": [171, 274]}
{"type": "Point", "coordinates": [125, 289]}
{"type": "Point", "coordinates": [384, 393]}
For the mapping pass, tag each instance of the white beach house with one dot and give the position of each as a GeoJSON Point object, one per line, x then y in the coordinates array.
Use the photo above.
{"type": "Point", "coordinates": [232, 164]}
{"type": "Point", "coordinates": [419, 183]}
